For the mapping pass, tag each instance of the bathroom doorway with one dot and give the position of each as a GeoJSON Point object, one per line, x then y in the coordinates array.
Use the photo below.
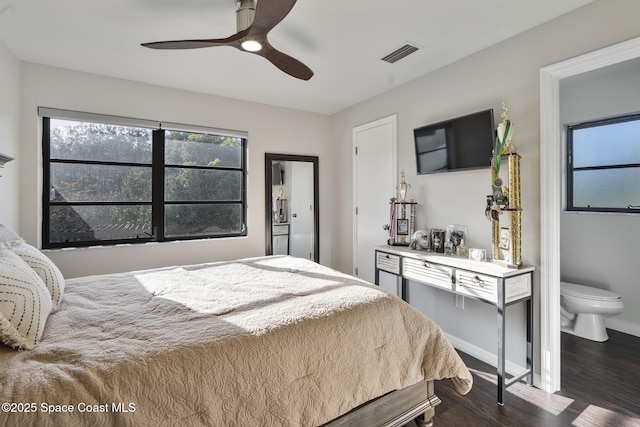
{"type": "Point", "coordinates": [551, 167]}
{"type": "Point", "coordinates": [598, 249]}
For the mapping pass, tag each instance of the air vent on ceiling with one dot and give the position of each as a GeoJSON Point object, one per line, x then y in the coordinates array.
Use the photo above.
{"type": "Point", "coordinates": [398, 54]}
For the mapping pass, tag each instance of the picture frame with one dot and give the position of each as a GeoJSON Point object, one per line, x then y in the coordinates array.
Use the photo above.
{"type": "Point", "coordinates": [402, 227]}
{"type": "Point", "coordinates": [456, 234]}
{"type": "Point", "coordinates": [505, 237]}
{"type": "Point", "coordinates": [437, 240]}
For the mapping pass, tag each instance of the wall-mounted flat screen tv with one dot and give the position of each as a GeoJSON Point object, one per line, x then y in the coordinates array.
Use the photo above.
{"type": "Point", "coordinates": [277, 174]}
{"type": "Point", "coordinates": [461, 143]}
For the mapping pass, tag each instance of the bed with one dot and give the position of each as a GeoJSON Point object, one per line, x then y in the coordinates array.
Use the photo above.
{"type": "Point", "coordinates": [270, 341]}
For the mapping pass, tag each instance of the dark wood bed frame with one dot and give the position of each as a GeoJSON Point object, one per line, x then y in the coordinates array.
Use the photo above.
{"type": "Point", "coordinates": [395, 409]}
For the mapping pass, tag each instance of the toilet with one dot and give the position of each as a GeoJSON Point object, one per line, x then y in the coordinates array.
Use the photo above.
{"type": "Point", "coordinates": [583, 309]}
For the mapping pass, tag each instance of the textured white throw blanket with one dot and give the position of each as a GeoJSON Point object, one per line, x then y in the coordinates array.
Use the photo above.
{"type": "Point", "coordinates": [274, 341]}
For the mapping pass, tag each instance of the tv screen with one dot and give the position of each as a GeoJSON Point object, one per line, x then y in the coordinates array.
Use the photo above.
{"type": "Point", "coordinates": [462, 143]}
{"type": "Point", "coordinates": [277, 174]}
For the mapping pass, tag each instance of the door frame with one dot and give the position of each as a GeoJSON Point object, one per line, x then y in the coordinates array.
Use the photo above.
{"type": "Point", "coordinates": [393, 121]}
{"type": "Point", "coordinates": [551, 191]}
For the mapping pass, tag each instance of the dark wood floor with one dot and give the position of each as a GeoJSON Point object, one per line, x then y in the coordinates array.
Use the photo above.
{"type": "Point", "coordinates": [600, 387]}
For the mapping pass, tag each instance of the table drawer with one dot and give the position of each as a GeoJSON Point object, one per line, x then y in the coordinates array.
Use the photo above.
{"type": "Point", "coordinates": [486, 287]}
{"type": "Point", "coordinates": [517, 287]}
{"type": "Point", "coordinates": [426, 272]}
{"type": "Point", "coordinates": [388, 262]}
{"type": "Point", "coordinates": [279, 230]}
{"type": "Point", "coordinates": [477, 285]}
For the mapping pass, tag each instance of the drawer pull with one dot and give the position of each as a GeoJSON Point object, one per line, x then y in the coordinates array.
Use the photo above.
{"type": "Point", "coordinates": [478, 281]}
{"type": "Point", "coordinates": [426, 264]}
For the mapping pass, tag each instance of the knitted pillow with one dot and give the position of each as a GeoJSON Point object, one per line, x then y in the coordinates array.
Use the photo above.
{"type": "Point", "coordinates": [46, 269]}
{"type": "Point", "coordinates": [25, 303]}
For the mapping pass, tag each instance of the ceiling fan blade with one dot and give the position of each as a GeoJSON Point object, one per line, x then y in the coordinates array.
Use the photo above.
{"type": "Point", "coordinates": [286, 63]}
{"type": "Point", "coordinates": [269, 13]}
{"type": "Point", "coordinates": [181, 44]}
{"type": "Point", "coordinates": [233, 40]}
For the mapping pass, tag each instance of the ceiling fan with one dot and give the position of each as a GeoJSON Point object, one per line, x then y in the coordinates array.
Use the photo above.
{"type": "Point", "coordinates": [253, 23]}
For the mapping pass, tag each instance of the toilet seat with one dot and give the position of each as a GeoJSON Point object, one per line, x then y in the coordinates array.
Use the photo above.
{"type": "Point", "coordinates": [587, 292]}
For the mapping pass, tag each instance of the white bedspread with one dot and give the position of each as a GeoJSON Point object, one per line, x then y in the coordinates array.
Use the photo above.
{"type": "Point", "coordinates": [274, 341]}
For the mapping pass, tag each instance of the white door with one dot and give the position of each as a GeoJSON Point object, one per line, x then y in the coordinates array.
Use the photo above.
{"type": "Point", "coordinates": [301, 208]}
{"type": "Point", "coordinates": [374, 180]}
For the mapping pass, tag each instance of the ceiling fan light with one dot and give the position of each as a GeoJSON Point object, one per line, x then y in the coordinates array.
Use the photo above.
{"type": "Point", "coordinates": [251, 45]}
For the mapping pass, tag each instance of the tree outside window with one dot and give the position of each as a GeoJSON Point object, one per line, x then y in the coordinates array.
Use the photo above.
{"type": "Point", "coordinates": [111, 183]}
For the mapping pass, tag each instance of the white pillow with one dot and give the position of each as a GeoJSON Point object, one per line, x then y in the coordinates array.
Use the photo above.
{"type": "Point", "coordinates": [7, 235]}
{"type": "Point", "coordinates": [25, 303]}
{"type": "Point", "coordinates": [46, 269]}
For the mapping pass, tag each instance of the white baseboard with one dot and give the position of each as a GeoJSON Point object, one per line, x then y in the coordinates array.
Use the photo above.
{"type": "Point", "coordinates": [622, 326]}
{"type": "Point", "coordinates": [484, 355]}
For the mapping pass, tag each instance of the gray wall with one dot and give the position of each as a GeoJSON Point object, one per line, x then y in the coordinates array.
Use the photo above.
{"type": "Point", "coordinates": [9, 135]}
{"type": "Point", "coordinates": [600, 249]}
{"type": "Point", "coordinates": [271, 129]}
{"type": "Point", "coordinates": [509, 72]}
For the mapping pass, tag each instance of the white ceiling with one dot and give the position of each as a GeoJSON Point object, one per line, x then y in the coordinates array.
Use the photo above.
{"type": "Point", "coordinates": [342, 41]}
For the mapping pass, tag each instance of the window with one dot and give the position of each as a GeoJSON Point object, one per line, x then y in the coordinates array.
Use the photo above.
{"type": "Point", "coordinates": [112, 180]}
{"type": "Point", "coordinates": [603, 164]}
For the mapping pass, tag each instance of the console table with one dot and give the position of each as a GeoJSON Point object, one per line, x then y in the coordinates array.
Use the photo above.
{"type": "Point", "coordinates": [485, 281]}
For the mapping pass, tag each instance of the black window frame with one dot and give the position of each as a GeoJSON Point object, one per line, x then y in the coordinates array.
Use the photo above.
{"type": "Point", "coordinates": [571, 169]}
{"type": "Point", "coordinates": [157, 166]}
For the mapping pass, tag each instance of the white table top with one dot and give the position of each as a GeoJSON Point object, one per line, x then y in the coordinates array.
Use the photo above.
{"type": "Point", "coordinates": [483, 267]}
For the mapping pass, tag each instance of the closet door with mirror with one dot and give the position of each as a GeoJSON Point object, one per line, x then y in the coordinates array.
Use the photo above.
{"type": "Point", "coordinates": [291, 205]}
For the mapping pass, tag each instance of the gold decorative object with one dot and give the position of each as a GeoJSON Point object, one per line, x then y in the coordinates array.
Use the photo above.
{"type": "Point", "coordinates": [403, 188]}
{"type": "Point", "coordinates": [515, 213]}
{"type": "Point", "coordinates": [507, 241]}
{"type": "Point", "coordinates": [505, 131]}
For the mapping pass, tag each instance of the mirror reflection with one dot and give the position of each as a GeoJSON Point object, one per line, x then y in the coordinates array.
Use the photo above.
{"type": "Point", "coordinates": [291, 205]}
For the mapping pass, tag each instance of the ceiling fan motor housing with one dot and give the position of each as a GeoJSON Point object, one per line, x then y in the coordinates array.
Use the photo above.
{"type": "Point", "coordinates": [245, 13]}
